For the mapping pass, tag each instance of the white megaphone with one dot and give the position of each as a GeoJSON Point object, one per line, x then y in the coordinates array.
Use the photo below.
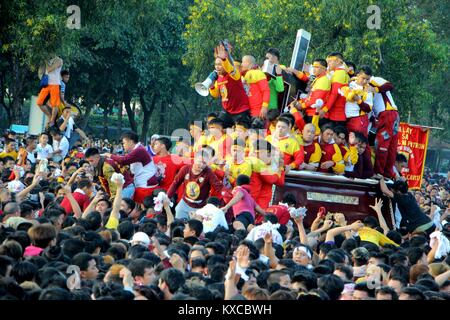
{"type": "Point", "coordinates": [202, 88]}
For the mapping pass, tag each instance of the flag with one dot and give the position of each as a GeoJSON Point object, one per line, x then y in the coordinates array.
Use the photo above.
{"type": "Point", "coordinates": [413, 143]}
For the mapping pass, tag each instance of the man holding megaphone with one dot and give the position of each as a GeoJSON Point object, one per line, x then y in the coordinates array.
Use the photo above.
{"type": "Point", "coordinates": [229, 86]}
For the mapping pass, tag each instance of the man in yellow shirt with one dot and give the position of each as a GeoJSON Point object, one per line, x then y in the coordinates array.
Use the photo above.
{"type": "Point", "coordinates": [10, 149]}
{"type": "Point", "coordinates": [292, 151]}
{"type": "Point", "coordinates": [237, 163]}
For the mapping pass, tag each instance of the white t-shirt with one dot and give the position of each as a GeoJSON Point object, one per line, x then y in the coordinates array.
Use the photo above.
{"type": "Point", "coordinates": [31, 157]}
{"type": "Point", "coordinates": [62, 145]}
{"type": "Point", "coordinates": [261, 230]}
{"type": "Point", "coordinates": [212, 218]}
{"type": "Point", "coordinates": [54, 77]}
{"type": "Point", "coordinates": [43, 152]}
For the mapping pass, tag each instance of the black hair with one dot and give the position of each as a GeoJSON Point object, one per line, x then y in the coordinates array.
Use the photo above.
{"type": "Point", "coordinates": [414, 292]}
{"type": "Point", "coordinates": [397, 258]}
{"type": "Point", "coordinates": [387, 290]}
{"type": "Point", "coordinates": [218, 248]}
{"type": "Point", "coordinates": [399, 271]}
{"type": "Point", "coordinates": [55, 294]}
{"type": "Point", "coordinates": [198, 262]}
{"type": "Point", "coordinates": [173, 278]}
{"type": "Point", "coordinates": [363, 286]}
{"type": "Point", "coordinates": [351, 64]}
{"type": "Point", "coordinates": [289, 198]}
{"type": "Point", "coordinates": [287, 117]}
{"type": "Point", "coordinates": [341, 129]}
{"type": "Point", "coordinates": [5, 262]}
{"type": "Point", "coordinates": [429, 283]}
{"type": "Point", "coordinates": [371, 222]}
{"type": "Point", "coordinates": [336, 256]}
{"type": "Point", "coordinates": [346, 270]}
{"type": "Point", "coordinates": [71, 247]}
{"type": "Point", "coordinates": [271, 217]}
{"type": "Point", "coordinates": [241, 123]}
{"type": "Point", "coordinates": [242, 179]}
{"type": "Point", "coordinates": [91, 152]}
{"type": "Point", "coordinates": [327, 247]}
{"type": "Point", "coordinates": [130, 135]}
{"type": "Point", "coordinates": [217, 121]}
{"type": "Point", "coordinates": [414, 255]}
{"type": "Point", "coordinates": [212, 115]}
{"type": "Point", "coordinates": [138, 266]}
{"type": "Point", "coordinates": [332, 285]}
{"type": "Point", "coordinates": [359, 137]}
{"type": "Point", "coordinates": [126, 229]}
{"type": "Point", "coordinates": [195, 225]}
{"type": "Point", "coordinates": [327, 126]}
{"type": "Point", "coordinates": [65, 73]}
{"type": "Point", "coordinates": [166, 142]}
{"type": "Point", "coordinates": [214, 201]}
{"type": "Point", "coordinates": [55, 131]}
{"type": "Point", "coordinates": [400, 186]}
{"type": "Point", "coordinates": [24, 271]}
{"type": "Point", "coordinates": [82, 260]}
{"type": "Point", "coordinates": [306, 278]}
{"type": "Point", "coordinates": [274, 51]}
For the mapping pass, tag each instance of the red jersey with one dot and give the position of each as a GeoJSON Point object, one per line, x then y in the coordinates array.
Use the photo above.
{"type": "Point", "coordinates": [168, 166]}
{"type": "Point", "coordinates": [81, 198]}
{"type": "Point", "coordinates": [231, 90]}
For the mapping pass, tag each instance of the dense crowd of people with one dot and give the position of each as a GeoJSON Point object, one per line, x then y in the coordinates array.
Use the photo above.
{"type": "Point", "coordinates": [89, 219]}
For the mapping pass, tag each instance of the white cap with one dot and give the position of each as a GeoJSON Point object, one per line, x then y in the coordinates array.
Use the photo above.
{"type": "Point", "coordinates": [140, 238]}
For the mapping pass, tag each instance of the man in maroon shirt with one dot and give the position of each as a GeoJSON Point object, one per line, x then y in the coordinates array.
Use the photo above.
{"type": "Point", "coordinates": [104, 169]}
{"type": "Point", "coordinates": [197, 180]}
{"type": "Point", "coordinates": [141, 165]}
{"type": "Point", "coordinates": [82, 195]}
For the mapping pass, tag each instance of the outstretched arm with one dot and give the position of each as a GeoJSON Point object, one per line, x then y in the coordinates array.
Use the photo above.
{"type": "Point", "coordinates": [377, 208]}
{"type": "Point", "coordinates": [385, 189]}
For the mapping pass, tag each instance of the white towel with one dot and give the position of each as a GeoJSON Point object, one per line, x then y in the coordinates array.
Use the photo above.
{"type": "Point", "coordinates": [444, 244]}
{"type": "Point", "coordinates": [437, 218]}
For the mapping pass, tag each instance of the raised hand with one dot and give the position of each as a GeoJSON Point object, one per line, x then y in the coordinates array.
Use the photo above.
{"type": "Point", "coordinates": [242, 256]}
{"type": "Point", "coordinates": [378, 205]}
{"type": "Point", "coordinates": [220, 52]}
{"type": "Point", "coordinates": [268, 237]}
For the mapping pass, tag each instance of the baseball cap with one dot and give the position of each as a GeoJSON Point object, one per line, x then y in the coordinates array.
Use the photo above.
{"type": "Point", "coordinates": [140, 238]}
